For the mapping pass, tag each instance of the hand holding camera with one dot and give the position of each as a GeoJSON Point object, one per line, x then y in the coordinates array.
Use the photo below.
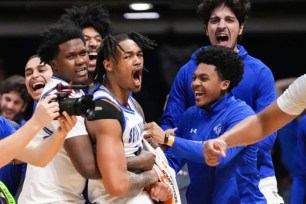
{"type": "Point", "coordinates": [82, 106]}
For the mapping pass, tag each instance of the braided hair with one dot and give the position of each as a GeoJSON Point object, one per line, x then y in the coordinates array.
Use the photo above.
{"type": "Point", "coordinates": [111, 44]}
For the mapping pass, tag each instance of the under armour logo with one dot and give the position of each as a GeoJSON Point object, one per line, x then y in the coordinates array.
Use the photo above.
{"type": "Point", "coordinates": [193, 130]}
{"type": "Point", "coordinates": [217, 129]}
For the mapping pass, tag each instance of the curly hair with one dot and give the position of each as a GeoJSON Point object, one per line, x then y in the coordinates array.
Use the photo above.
{"type": "Point", "coordinates": [56, 34]}
{"type": "Point", "coordinates": [93, 15]}
{"type": "Point", "coordinates": [111, 44]}
{"type": "Point", "coordinates": [15, 83]}
{"type": "Point", "coordinates": [239, 7]}
{"type": "Point", "coordinates": [229, 65]}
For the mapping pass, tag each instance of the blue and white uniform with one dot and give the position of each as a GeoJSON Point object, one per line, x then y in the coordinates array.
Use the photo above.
{"type": "Point", "coordinates": [256, 89]}
{"type": "Point", "coordinates": [58, 181]}
{"type": "Point", "coordinates": [235, 179]}
{"type": "Point", "coordinates": [132, 141]}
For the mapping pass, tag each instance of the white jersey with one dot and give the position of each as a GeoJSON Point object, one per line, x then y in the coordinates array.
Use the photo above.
{"type": "Point", "coordinates": [132, 140]}
{"type": "Point", "coordinates": [293, 100]}
{"type": "Point", "coordinates": [58, 182]}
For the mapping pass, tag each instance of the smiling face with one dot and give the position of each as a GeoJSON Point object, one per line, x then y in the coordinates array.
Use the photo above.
{"type": "Point", "coordinates": [11, 104]}
{"type": "Point", "coordinates": [71, 63]}
{"type": "Point", "coordinates": [127, 72]}
{"type": "Point", "coordinates": [37, 76]}
{"type": "Point", "coordinates": [223, 28]}
{"type": "Point", "coordinates": [93, 41]}
{"type": "Point", "coordinates": [208, 88]}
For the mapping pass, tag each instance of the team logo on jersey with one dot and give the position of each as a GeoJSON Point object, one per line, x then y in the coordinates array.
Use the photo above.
{"type": "Point", "coordinates": [193, 130]}
{"type": "Point", "coordinates": [217, 129]}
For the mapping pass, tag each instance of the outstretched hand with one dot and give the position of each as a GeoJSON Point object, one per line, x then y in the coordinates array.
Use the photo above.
{"type": "Point", "coordinates": [213, 149]}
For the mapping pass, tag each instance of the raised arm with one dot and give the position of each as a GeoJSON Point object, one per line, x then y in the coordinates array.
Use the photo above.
{"type": "Point", "coordinates": [40, 154]}
{"type": "Point", "coordinates": [288, 106]}
{"type": "Point", "coordinates": [254, 128]}
{"type": "Point", "coordinates": [177, 100]}
{"type": "Point", "coordinates": [258, 126]}
{"type": "Point", "coordinates": [13, 145]}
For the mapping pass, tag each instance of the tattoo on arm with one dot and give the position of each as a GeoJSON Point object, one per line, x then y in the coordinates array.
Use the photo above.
{"type": "Point", "coordinates": [139, 181]}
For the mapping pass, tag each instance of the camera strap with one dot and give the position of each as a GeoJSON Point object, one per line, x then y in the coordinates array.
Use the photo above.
{"type": "Point", "coordinates": [5, 195]}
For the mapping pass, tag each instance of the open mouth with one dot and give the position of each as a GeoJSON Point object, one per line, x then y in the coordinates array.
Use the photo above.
{"type": "Point", "coordinates": [92, 56]}
{"type": "Point", "coordinates": [222, 40]}
{"type": "Point", "coordinates": [137, 75]}
{"type": "Point", "coordinates": [198, 93]}
{"type": "Point", "coordinates": [38, 85]}
{"type": "Point", "coordinates": [81, 69]}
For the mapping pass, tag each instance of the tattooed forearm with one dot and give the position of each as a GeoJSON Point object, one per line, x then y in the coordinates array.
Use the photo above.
{"type": "Point", "coordinates": [139, 181]}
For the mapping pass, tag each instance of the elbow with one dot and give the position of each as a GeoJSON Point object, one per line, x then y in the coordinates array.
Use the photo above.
{"type": "Point", "coordinates": [41, 163]}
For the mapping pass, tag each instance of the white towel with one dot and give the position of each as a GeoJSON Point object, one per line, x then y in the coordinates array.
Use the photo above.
{"type": "Point", "coordinates": [165, 173]}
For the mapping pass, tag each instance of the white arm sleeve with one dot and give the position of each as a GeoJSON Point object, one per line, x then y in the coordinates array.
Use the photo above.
{"type": "Point", "coordinates": [293, 100]}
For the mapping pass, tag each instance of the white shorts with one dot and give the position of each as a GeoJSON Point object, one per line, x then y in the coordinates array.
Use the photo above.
{"type": "Point", "coordinates": [268, 187]}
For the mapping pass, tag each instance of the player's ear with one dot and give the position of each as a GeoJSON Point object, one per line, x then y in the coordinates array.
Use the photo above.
{"type": "Point", "coordinates": [225, 84]}
{"type": "Point", "coordinates": [107, 65]}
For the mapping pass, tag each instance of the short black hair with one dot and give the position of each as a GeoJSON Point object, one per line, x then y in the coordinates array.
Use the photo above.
{"type": "Point", "coordinates": [57, 34]}
{"type": "Point", "coordinates": [229, 65]}
{"type": "Point", "coordinates": [93, 15]}
{"type": "Point", "coordinates": [111, 44]}
{"type": "Point", "coordinates": [239, 7]}
{"type": "Point", "coordinates": [15, 83]}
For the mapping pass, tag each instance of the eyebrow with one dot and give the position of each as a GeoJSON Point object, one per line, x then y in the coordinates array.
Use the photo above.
{"type": "Point", "coordinates": [38, 66]}
{"type": "Point", "coordinates": [97, 35]}
{"type": "Point", "coordinates": [131, 52]}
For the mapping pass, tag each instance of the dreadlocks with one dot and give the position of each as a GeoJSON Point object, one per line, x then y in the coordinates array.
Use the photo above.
{"type": "Point", "coordinates": [111, 44]}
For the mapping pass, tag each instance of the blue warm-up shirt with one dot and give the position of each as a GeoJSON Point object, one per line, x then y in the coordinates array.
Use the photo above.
{"type": "Point", "coordinates": [256, 89]}
{"type": "Point", "coordinates": [10, 174]}
{"type": "Point", "coordinates": [298, 193]}
{"type": "Point", "coordinates": [235, 179]}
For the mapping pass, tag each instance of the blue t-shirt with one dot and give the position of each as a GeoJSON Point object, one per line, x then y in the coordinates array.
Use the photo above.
{"type": "Point", "coordinates": [10, 174]}
{"type": "Point", "coordinates": [235, 179]}
{"type": "Point", "coordinates": [256, 89]}
{"type": "Point", "coordinates": [298, 193]}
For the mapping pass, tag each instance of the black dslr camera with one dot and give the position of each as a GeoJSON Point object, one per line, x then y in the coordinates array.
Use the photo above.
{"type": "Point", "coordinates": [83, 106]}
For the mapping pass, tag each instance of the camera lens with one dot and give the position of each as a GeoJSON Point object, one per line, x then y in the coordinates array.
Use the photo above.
{"type": "Point", "coordinates": [84, 106]}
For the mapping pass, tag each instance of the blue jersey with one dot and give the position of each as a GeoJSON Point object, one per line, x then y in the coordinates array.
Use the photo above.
{"type": "Point", "coordinates": [256, 89]}
{"type": "Point", "coordinates": [298, 194]}
{"type": "Point", "coordinates": [10, 174]}
{"type": "Point", "coordinates": [235, 179]}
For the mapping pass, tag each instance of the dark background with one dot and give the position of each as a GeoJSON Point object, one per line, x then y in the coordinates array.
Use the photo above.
{"type": "Point", "coordinates": [275, 33]}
